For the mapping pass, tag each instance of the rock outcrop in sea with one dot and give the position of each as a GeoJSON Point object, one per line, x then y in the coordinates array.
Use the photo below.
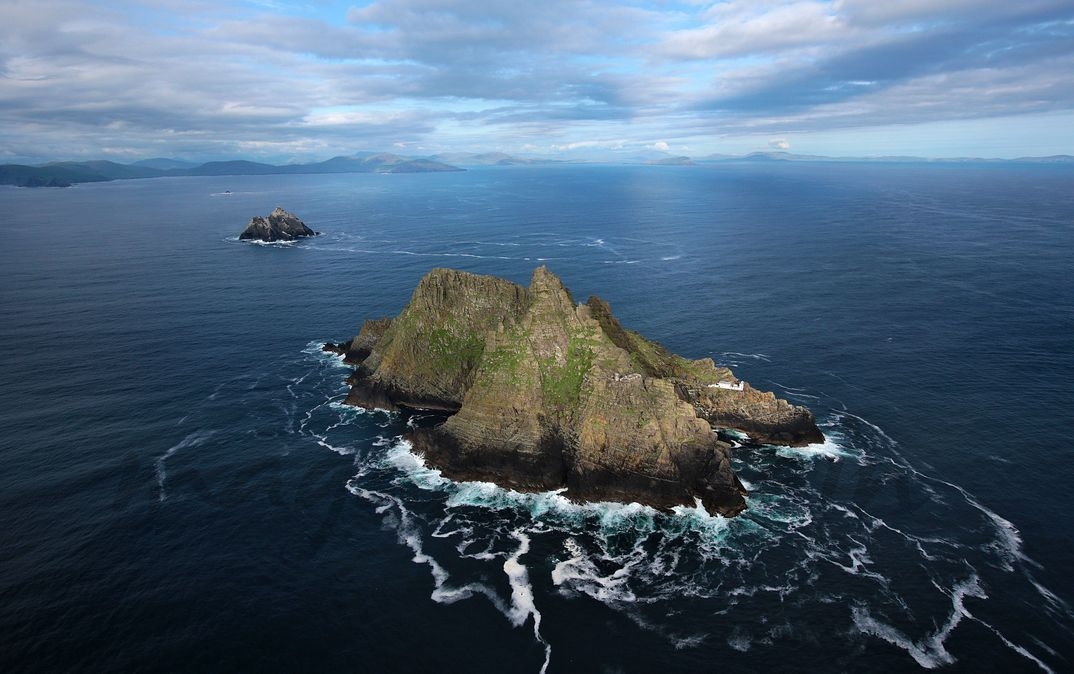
{"type": "Point", "coordinates": [278, 226]}
{"type": "Point", "coordinates": [547, 394]}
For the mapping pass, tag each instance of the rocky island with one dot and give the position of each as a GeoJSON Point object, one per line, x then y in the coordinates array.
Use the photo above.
{"type": "Point", "coordinates": [278, 226]}
{"type": "Point", "coordinates": [547, 394]}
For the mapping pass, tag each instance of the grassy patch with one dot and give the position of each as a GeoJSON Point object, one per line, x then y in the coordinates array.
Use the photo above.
{"type": "Point", "coordinates": [503, 362]}
{"type": "Point", "coordinates": [455, 353]}
{"type": "Point", "coordinates": [562, 386]}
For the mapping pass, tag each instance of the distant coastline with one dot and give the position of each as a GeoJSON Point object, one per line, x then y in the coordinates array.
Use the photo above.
{"type": "Point", "coordinates": [67, 173]}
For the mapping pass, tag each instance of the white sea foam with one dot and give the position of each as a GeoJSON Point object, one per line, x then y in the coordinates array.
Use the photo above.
{"type": "Point", "coordinates": [919, 542]}
{"type": "Point", "coordinates": [494, 243]}
{"type": "Point", "coordinates": [1020, 650]}
{"type": "Point", "coordinates": [777, 508]}
{"type": "Point", "coordinates": [579, 573]}
{"type": "Point", "coordinates": [830, 449]}
{"type": "Point", "coordinates": [787, 388]}
{"type": "Point", "coordinates": [930, 652]}
{"type": "Point", "coordinates": [1008, 541]}
{"type": "Point", "coordinates": [860, 563]}
{"type": "Point", "coordinates": [734, 433]}
{"type": "Point", "coordinates": [409, 535]}
{"type": "Point", "coordinates": [1055, 604]}
{"type": "Point", "coordinates": [191, 440]}
{"type": "Point", "coordinates": [739, 640]}
{"type": "Point", "coordinates": [630, 557]}
{"type": "Point", "coordinates": [879, 431]}
{"type": "Point", "coordinates": [754, 356]}
{"type": "Point", "coordinates": [315, 348]}
{"type": "Point", "coordinates": [258, 242]}
{"type": "Point", "coordinates": [522, 604]}
{"type": "Point", "coordinates": [846, 511]}
{"type": "Point", "coordinates": [350, 412]}
{"type": "Point", "coordinates": [413, 466]}
{"type": "Point", "coordinates": [493, 497]}
{"type": "Point", "coordinates": [322, 440]}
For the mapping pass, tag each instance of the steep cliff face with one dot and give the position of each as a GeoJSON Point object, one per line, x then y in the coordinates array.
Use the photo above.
{"type": "Point", "coordinates": [427, 355]}
{"type": "Point", "coordinates": [759, 414]}
{"type": "Point", "coordinates": [549, 394]}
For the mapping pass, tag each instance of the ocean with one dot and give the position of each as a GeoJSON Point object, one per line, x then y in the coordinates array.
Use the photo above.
{"type": "Point", "coordinates": [182, 490]}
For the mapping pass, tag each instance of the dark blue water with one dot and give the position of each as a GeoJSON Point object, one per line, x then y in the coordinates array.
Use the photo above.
{"type": "Point", "coordinates": [181, 490]}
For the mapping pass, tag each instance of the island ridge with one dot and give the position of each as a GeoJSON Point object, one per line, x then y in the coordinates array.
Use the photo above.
{"type": "Point", "coordinates": [548, 394]}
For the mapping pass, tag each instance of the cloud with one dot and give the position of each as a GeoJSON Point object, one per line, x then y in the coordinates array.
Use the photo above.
{"type": "Point", "coordinates": [740, 27]}
{"type": "Point", "coordinates": [780, 144]}
{"type": "Point", "coordinates": [615, 144]}
{"type": "Point", "coordinates": [212, 79]}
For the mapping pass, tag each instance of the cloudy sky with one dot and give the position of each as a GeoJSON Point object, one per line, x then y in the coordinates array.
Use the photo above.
{"type": "Point", "coordinates": [283, 81]}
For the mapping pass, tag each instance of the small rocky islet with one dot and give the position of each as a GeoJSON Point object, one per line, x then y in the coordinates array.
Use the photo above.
{"type": "Point", "coordinates": [278, 226]}
{"type": "Point", "coordinates": [545, 393]}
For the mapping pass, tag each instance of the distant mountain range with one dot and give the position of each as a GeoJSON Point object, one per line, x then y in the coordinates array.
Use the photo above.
{"type": "Point", "coordinates": [787, 156]}
{"type": "Point", "coordinates": [66, 173]}
{"type": "Point", "coordinates": [658, 158]}
{"type": "Point", "coordinates": [488, 159]}
{"type": "Point", "coordinates": [654, 157]}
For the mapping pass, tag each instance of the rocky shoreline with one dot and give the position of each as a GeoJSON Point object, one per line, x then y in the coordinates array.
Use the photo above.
{"type": "Point", "coordinates": [548, 394]}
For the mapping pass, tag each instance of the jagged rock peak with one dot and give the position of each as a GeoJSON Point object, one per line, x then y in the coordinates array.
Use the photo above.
{"type": "Point", "coordinates": [279, 226]}
{"type": "Point", "coordinates": [547, 394]}
{"type": "Point", "coordinates": [544, 279]}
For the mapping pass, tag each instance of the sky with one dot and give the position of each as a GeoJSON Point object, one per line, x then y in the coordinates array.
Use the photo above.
{"type": "Point", "coordinates": [281, 81]}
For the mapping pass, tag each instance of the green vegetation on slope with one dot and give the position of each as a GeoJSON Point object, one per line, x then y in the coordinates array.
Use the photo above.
{"type": "Point", "coordinates": [649, 357]}
{"type": "Point", "coordinates": [455, 352]}
{"type": "Point", "coordinates": [562, 385]}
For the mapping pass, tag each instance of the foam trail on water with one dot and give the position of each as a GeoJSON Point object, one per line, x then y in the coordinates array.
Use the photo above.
{"type": "Point", "coordinates": [192, 440]}
{"type": "Point", "coordinates": [638, 561]}
{"type": "Point", "coordinates": [409, 535]}
{"type": "Point", "coordinates": [1008, 543]}
{"type": "Point", "coordinates": [787, 388]}
{"type": "Point", "coordinates": [879, 431]}
{"type": "Point", "coordinates": [1019, 649]}
{"type": "Point", "coordinates": [930, 652]}
{"type": "Point", "coordinates": [522, 604]}
{"type": "Point", "coordinates": [755, 356]}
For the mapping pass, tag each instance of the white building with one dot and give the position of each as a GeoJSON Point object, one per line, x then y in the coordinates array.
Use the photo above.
{"type": "Point", "coordinates": [729, 385]}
